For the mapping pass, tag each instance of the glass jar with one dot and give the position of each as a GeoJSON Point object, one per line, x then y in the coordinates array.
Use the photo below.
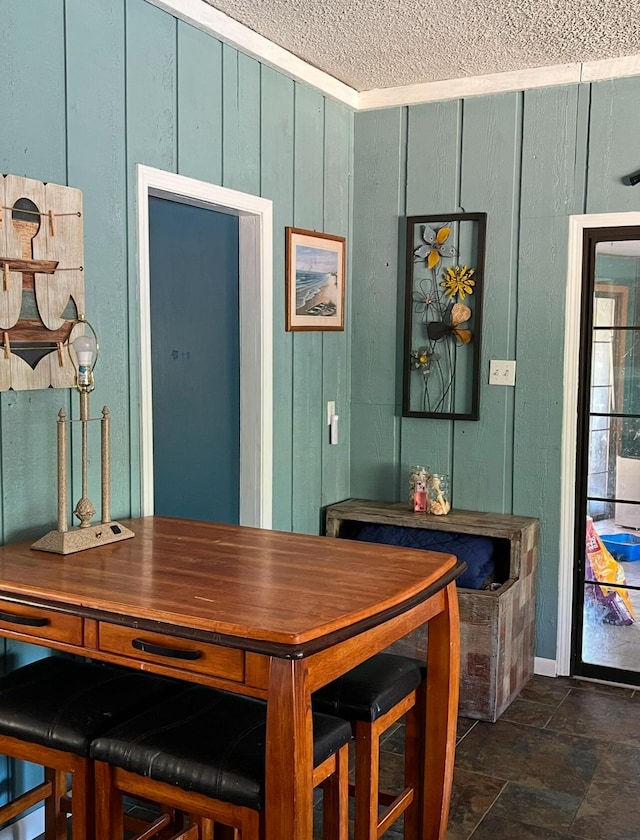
{"type": "Point", "coordinates": [438, 498]}
{"type": "Point", "coordinates": [418, 482]}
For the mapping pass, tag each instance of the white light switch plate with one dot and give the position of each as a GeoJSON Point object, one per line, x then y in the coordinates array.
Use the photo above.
{"type": "Point", "coordinates": [502, 372]}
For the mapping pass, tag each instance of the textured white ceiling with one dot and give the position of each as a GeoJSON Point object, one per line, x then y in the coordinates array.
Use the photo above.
{"type": "Point", "coordinates": [372, 44]}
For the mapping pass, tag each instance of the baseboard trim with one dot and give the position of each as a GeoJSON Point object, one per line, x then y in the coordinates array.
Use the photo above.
{"type": "Point", "coordinates": [542, 667]}
{"type": "Point", "coordinates": [30, 826]}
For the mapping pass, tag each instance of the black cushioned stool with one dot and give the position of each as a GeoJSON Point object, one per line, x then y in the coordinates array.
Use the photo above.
{"type": "Point", "coordinates": [203, 752]}
{"type": "Point", "coordinates": [50, 711]}
{"type": "Point", "coordinates": [373, 697]}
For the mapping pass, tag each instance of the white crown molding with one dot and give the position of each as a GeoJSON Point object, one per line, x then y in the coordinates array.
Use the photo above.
{"type": "Point", "coordinates": [610, 68]}
{"type": "Point", "coordinates": [559, 74]}
{"type": "Point", "coordinates": [216, 23]}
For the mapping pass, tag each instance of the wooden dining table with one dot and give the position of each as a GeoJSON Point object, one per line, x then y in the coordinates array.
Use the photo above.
{"type": "Point", "coordinates": [265, 613]}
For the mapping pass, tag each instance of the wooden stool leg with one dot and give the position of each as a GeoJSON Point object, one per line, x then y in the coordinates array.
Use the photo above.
{"type": "Point", "coordinates": [250, 825]}
{"type": "Point", "coordinates": [55, 820]}
{"type": "Point", "coordinates": [205, 827]}
{"type": "Point", "coordinates": [335, 799]}
{"type": "Point", "coordinates": [414, 762]}
{"type": "Point", "coordinates": [82, 799]}
{"type": "Point", "coordinates": [367, 781]}
{"type": "Point", "coordinates": [109, 818]}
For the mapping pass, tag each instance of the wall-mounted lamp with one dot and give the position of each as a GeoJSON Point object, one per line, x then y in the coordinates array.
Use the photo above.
{"type": "Point", "coordinates": [632, 180]}
{"type": "Point", "coordinates": [66, 540]}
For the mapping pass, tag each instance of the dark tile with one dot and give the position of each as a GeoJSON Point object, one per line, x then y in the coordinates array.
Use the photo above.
{"type": "Point", "coordinates": [545, 690]}
{"type": "Point", "coordinates": [391, 771]}
{"type": "Point", "coordinates": [595, 687]}
{"type": "Point", "coordinates": [609, 811]}
{"type": "Point", "coordinates": [393, 742]}
{"type": "Point", "coordinates": [493, 828]}
{"type": "Point", "coordinates": [471, 797]}
{"type": "Point", "coordinates": [528, 713]}
{"type": "Point", "coordinates": [536, 807]}
{"type": "Point", "coordinates": [529, 756]}
{"type": "Point", "coordinates": [465, 725]}
{"type": "Point", "coordinates": [618, 761]}
{"type": "Point", "coordinates": [601, 716]}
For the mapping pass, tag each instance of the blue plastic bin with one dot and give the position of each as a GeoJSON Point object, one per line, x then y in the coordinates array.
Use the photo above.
{"type": "Point", "coordinates": [623, 546]}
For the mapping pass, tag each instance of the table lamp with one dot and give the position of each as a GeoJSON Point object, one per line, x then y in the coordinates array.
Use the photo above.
{"type": "Point", "coordinates": [66, 540]}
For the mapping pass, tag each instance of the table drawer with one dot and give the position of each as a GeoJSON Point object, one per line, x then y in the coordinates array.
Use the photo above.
{"type": "Point", "coordinates": [172, 651]}
{"type": "Point", "coordinates": [41, 623]}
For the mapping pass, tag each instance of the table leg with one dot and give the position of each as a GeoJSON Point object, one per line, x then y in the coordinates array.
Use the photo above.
{"type": "Point", "coordinates": [289, 761]}
{"type": "Point", "coordinates": [443, 688]}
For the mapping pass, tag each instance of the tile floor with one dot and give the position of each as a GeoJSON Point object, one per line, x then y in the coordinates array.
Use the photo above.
{"type": "Point", "coordinates": [562, 762]}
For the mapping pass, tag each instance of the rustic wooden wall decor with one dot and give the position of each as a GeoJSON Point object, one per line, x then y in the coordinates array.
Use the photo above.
{"type": "Point", "coordinates": [41, 282]}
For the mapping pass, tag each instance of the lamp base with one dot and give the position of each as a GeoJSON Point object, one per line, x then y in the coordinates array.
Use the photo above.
{"type": "Point", "coordinates": [79, 539]}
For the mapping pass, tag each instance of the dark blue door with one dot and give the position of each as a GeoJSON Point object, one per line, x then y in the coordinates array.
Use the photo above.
{"type": "Point", "coordinates": [195, 361]}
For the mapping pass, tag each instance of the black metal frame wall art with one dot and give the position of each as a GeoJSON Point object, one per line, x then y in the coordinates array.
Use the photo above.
{"type": "Point", "coordinates": [443, 315]}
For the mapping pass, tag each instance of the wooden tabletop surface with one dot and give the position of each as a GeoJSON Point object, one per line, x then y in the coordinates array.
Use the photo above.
{"type": "Point", "coordinates": [276, 587]}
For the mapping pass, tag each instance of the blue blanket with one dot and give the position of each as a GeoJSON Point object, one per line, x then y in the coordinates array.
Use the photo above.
{"type": "Point", "coordinates": [477, 552]}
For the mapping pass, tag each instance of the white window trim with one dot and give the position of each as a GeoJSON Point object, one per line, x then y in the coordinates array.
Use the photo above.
{"type": "Point", "coordinates": [577, 226]}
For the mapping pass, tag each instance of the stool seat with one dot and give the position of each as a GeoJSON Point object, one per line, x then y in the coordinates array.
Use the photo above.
{"type": "Point", "coordinates": [370, 689]}
{"type": "Point", "coordinates": [65, 703]}
{"type": "Point", "coordinates": [50, 711]}
{"type": "Point", "coordinates": [208, 741]}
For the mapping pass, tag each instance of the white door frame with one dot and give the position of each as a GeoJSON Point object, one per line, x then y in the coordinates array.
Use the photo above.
{"type": "Point", "coordinates": [256, 333]}
{"type": "Point", "coordinates": [577, 226]}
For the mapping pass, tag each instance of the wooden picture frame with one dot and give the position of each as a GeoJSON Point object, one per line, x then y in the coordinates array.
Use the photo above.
{"type": "Point", "coordinates": [315, 280]}
{"type": "Point", "coordinates": [443, 315]}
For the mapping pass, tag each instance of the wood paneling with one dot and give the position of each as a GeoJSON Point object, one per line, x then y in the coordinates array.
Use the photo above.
{"type": "Point", "coordinates": [240, 121]}
{"type": "Point", "coordinates": [490, 183]}
{"type": "Point", "coordinates": [308, 420]}
{"type": "Point", "coordinates": [528, 160]}
{"type": "Point", "coordinates": [433, 186]}
{"type": "Point", "coordinates": [278, 115]}
{"type": "Point", "coordinates": [338, 153]}
{"type": "Point", "coordinates": [613, 146]}
{"type": "Point", "coordinates": [150, 97]}
{"type": "Point", "coordinates": [96, 141]}
{"type": "Point", "coordinates": [199, 105]}
{"type": "Point", "coordinates": [121, 82]}
{"type": "Point", "coordinates": [379, 198]}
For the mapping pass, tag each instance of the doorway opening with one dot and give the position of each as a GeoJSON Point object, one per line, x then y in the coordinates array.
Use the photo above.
{"type": "Point", "coordinates": [605, 638]}
{"type": "Point", "coordinates": [255, 232]}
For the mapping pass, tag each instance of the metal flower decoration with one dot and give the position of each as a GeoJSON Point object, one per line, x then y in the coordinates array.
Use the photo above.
{"type": "Point", "coordinates": [457, 281]}
{"type": "Point", "coordinates": [443, 310]}
{"type": "Point", "coordinates": [422, 359]}
{"type": "Point", "coordinates": [454, 317]}
{"type": "Point", "coordinates": [436, 245]}
{"type": "Point", "coordinates": [424, 299]}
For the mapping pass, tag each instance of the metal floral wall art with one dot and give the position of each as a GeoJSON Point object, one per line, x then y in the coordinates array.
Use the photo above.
{"type": "Point", "coordinates": [443, 315]}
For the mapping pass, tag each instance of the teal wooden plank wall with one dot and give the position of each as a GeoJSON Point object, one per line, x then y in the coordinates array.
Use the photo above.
{"type": "Point", "coordinates": [92, 88]}
{"type": "Point", "coordinates": [529, 160]}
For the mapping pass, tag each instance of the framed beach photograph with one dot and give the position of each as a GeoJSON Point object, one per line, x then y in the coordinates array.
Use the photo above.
{"type": "Point", "coordinates": [315, 274]}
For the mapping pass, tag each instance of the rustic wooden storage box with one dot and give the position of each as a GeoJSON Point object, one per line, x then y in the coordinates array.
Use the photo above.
{"type": "Point", "coordinates": [497, 627]}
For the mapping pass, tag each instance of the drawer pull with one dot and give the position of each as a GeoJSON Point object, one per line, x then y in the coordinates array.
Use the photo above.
{"type": "Point", "coordinates": [28, 620]}
{"type": "Point", "coordinates": [159, 650]}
